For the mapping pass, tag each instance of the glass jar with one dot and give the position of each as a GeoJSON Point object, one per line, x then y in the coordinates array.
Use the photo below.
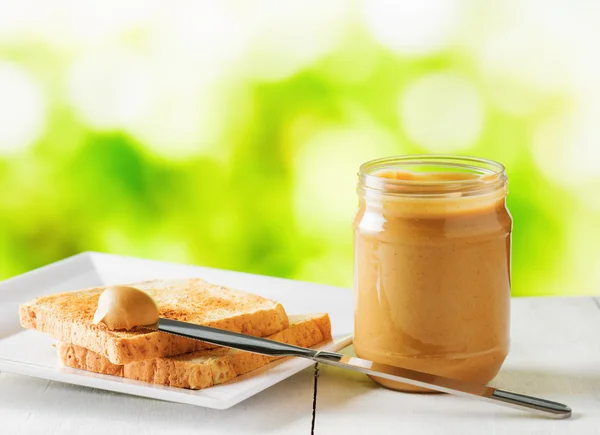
{"type": "Point", "coordinates": [432, 266]}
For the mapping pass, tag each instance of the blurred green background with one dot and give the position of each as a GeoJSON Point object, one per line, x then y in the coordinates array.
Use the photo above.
{"type": "Point", "coordinates": [229, 133]}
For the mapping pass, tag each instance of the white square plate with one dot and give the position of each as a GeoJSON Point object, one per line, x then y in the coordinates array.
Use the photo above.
{"type": "Point", "coordinates": [31, 352]}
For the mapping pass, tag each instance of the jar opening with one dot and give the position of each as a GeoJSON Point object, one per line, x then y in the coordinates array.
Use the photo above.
{"type": "Point", "coordinates": [432, 175]}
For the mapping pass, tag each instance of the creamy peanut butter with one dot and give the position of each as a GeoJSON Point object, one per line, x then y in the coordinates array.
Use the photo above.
{"type": "Point", "coordinates": [122, 307]}
{"type": "Point", "coordinates": [432, 270]}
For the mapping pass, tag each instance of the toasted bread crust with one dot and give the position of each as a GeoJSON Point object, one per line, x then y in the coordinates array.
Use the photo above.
{"type": "Point", "coordinates": [200, 369]}
{"type": "Point", "coordinates": [68, 317]}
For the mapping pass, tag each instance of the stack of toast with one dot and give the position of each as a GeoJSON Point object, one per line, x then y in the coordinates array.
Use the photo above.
{"type": "Point", "coordinates": [161, 358]}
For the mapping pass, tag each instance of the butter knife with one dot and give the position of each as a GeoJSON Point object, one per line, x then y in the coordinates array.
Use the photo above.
{"type": "Point", "coordinates": [263, 346]}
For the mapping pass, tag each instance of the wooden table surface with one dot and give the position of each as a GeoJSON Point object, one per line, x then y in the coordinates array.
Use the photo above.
{"type": "Point", "coordinates": [555, 354]}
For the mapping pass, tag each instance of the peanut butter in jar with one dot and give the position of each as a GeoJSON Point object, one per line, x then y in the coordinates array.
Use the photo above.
{"type": "Point", "coordinates": [432, 266]}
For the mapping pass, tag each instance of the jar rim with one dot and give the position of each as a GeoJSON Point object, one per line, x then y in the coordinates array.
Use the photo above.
{"type": "Point", "coordinates": [485, 175]}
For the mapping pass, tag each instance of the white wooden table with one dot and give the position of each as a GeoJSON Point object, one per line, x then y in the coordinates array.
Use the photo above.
{"type": "Point", "coordinates": [555, 354]}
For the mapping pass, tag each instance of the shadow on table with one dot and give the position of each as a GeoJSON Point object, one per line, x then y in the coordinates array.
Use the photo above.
{"type": "Point", "coordinates": [544, 381]}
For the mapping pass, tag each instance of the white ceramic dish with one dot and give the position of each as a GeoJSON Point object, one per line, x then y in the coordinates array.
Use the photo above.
{"type": "Point", "coordinates": [31, 353]}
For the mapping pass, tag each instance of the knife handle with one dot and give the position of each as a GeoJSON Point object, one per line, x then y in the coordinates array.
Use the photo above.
{"type": "Point", "coordinates": [233, 339]}
{"type": "Point", "coordinates": [516, 400]}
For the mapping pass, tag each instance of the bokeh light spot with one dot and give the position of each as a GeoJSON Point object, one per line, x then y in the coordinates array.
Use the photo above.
{"type": "Point", "coordinates": [413, 27]}
{"type": "Point", "coordinates": [93, 22]}
{"type": "Point", "coordinates": [287, 36]}
{"type": "Point", "coordinates": [111, 90]}
{"type": "Point", "coordinates": [22, 109]}
{"type": "Point", "coordinates": [175, 111]}
{"type": "Point", "coordinates": [326, 166]}
{"type": "Point", "coordinates": [442, 112]}
{"type": "Point", "coordinates": [205, 37]}
{"type": "Point", "coordinates": [567, 148]}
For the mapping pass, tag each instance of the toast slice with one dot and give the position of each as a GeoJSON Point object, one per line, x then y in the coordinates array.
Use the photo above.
{"type": "Point", "coordinates": [68, 317]}
{"type": "Point", "coordinates": [201, 369]}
